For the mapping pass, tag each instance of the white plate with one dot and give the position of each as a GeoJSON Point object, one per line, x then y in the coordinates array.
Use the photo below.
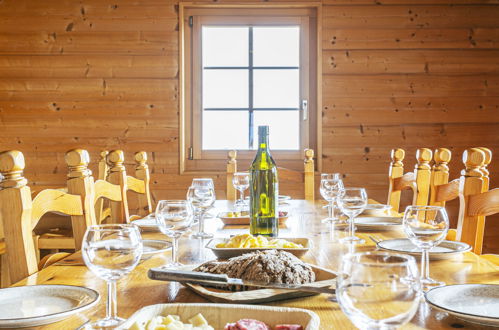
{"type": "Point", "coordinates": [378, 223]}
{"type": "Point", "coordinates": [151, 246]}
{"type": "Point", "coordinates": [477, 303]}
{"type": "Point", "coordinates": [147, 224]}
{"type": "Point", "coordinates": [284, 198]}
{"type": "Point", "coordinates": [376, 209]}
{"type": "Point", "coordinates": [281, 198]}
{"type": "Point", "coordinates": [29, 306]}
{"type": "Point", "coordinates": [245, 220]}
{"type": "Point", "coordinates": [218, 315]}
{"type": "Point", "coordinates": [445, 250]}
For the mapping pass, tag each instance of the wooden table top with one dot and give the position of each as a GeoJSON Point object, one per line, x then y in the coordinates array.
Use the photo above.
{"type": "Point", "coordinates": [136, 290]}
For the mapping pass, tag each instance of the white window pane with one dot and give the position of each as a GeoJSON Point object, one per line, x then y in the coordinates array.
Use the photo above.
{"type": "Point", "coordinates": [225, 46]}
{"type": "Point", "coordinates": [284, 130]}
{"type": "Point", "coordinates": [276, 46]}
{"type": "Point", "coordinates": [225, 88]}
{"type": "Point", "coordinates": [225, 130]}
{"type": "Point", "coordinates": [276, 88]}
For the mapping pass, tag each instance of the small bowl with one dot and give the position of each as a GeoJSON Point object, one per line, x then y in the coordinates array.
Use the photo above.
{"type": "Point", "coordinates": [377, 210]}
{"type": "Point", "coordinates": [226, 253]}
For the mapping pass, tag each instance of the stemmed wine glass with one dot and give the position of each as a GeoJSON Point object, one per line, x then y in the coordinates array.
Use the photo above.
{"type": "Point", "coordinates": [111, 251]}
{"type": "Point", "coordinates": [173, 219]}
{"type": "Point", "coordinates": [352, 202]}
{"type": "Point", "coordinates": [240, 180]}
{"type": "Point", "coordinates": [201, 197]}
{"type": "Point", "coordinates": [426, 227]}
{"type": "Point", "coordinates": [331, 188]}
{"type": "Point", "coordinates": [378, 290]}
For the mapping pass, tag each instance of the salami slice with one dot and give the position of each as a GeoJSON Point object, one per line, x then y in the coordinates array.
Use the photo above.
{"type": "Point", "coordinates": [249, 324]}
{"type": "Point", "coordinates": [288, 327]}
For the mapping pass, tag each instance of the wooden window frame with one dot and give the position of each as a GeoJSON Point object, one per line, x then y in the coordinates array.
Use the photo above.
{"type": "Point", "coordinates": [193, 160]}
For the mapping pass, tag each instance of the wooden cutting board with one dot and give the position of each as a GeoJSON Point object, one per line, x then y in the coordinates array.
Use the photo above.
{"type": "Point", "coordinates": [324, 277]}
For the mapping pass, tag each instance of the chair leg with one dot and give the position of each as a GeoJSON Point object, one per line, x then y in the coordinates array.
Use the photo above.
{"type": "Point", "coordinates": [4, 271]}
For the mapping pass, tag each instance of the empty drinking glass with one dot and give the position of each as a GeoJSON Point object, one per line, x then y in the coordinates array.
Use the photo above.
{"type": "Point", "coordinates": [174, 219]}
{"type": "Point", "coordinates": [331, 188]}
{"type": "Point", "coordinates": [111, 252]}
{"type": "Point", "coordinates": [240, 180]}
{"type": "Point", "coordinates": [378, 290]}
{"type": "Point", "coordinates": [201, 196]}
{"type": "Point", "coordinates": [352, 202]}
{"type": "Point", "coordinates": [426, 227]}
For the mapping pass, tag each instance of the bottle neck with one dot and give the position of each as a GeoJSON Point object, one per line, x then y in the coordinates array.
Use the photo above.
{"type": "Point", "coordinates": [263, 142]}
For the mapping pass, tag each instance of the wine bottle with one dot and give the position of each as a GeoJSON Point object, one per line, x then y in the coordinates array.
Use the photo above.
{"type": "Point", "coordinates": [264, 189]}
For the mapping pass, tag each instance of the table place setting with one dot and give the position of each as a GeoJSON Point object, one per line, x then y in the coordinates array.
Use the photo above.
{"type": "Point", "coordinates": [249, 164]}
{"type": "Point", "coordinates": [259, 262]}
{"type": "Point", "coordinates": [34, 305]}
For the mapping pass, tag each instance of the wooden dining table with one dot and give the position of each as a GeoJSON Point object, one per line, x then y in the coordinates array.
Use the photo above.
{"type": "Point", "coordinates": [136, 290]}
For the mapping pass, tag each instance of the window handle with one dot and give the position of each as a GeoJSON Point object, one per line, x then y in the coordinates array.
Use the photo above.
{"type": "Point", "coordinates": [304, 108]}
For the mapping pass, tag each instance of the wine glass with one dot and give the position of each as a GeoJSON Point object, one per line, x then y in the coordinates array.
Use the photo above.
{"type": "Point", "coordinates": [331, 187]}
{"type": "Point", "coordinates": [240, 180]}
{"type": "Point", "coordinates": [201, 196]}
{"type": "Point", "coordinates": [173, 217]}
{"type": "Point", "coordinates": [352, 202]}
{"type": "Point", "coordinates": [111, 251]}
{"type": "Point", "coordinates": [426, 227]}
{"type": "Point", "coordinates": [378, 290]}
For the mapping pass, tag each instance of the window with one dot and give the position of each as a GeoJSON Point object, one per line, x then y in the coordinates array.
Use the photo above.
{"type": "Point", "coordinates": [245, 67]}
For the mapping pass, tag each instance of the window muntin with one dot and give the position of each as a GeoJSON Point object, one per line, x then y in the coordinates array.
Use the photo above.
{"type": "Point", "coordinates": [261, 74]}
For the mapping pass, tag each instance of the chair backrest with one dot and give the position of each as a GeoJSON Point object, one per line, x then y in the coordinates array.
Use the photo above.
{"type": "Point", "coordinates": [441, 190]}
{"type": "Point", "coordinates": [422, 173]}
{"type": "Point", "coordinates": [231, 169]}
{"type": "Point", "coordinates": [140, 183]}
{"type": "Point", "coordinates": [80, 182]}
{"type": "Point", "coordinates": [475, 201]}
{"type": "Point", "coordinates": [307, 177]}
{"type": "Point", "coordinates": [417, 181]}
{"type": "Point", "coordinates": [113, 189]}
{"type": "Point", "coordinates": [488, 158]}
{"type": "Point", "coordinates": [102, 209]}
{"type": "Point", "coordinates": [19, 213]}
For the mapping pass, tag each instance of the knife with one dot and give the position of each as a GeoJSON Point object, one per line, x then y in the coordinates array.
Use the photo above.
{"type": "Point", "coordinates": [175, 275]}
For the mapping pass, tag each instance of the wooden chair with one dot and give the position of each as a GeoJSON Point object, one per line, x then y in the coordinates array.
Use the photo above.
{"type": "Point", "coordinates": [101, 189]}
{"type": "Point", "coordinates": [441, 190]}
{"type": "Point", "coordinates": [139, 185]}
{"type": "Point", "coordinates": [307, 177]}
{"type": "Point", "coordinates": [417, 181]}
{"type": "Point", "coordinates": [475, 200]}
{"type": "Point", "coordinates": [19, 213]}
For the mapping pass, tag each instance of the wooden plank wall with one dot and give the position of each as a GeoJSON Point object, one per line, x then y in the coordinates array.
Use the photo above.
{"type": "Point", "coordinates": [103, 74]}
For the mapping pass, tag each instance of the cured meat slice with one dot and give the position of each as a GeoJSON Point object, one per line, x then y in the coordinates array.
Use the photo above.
{"type": "Point", "coordinates": [231, 326]}
{"type": "Point", "coordinates": [288, 327]}
{"type": "Point", "coordinates": [250, 324]}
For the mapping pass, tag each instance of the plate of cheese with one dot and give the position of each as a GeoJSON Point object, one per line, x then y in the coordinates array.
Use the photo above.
{"type": "Point", "coordinates": [180, 316]}
{"type": "Point", "coordinates": [224, 248]}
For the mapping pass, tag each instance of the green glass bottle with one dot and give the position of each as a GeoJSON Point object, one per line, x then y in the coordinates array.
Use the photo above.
{"type": "Point", "coordinates": [264, 189]}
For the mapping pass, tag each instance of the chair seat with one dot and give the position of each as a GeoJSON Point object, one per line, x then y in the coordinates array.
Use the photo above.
{"type": "Point", "coordinates": [58, 238]}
